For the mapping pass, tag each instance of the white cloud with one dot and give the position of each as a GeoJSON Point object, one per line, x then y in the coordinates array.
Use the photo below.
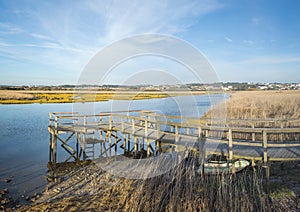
{"type": "Point", "coordinates": [42, 37]}
{"type": "Point", "coordinates": [168, 17]}
{"type": "Point", "coordinates": [66, 37]}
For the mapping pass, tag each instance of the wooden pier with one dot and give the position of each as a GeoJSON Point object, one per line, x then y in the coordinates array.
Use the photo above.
{"type": "Point", "coordinates": [139, 132]}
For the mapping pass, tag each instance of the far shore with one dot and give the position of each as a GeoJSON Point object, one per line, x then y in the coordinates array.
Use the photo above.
{"type": "Point", "coordinates": [69, 96]}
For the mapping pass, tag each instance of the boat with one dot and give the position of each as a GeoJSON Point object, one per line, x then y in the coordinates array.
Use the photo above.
{"type": "Point", "coordinates": [223, 167]}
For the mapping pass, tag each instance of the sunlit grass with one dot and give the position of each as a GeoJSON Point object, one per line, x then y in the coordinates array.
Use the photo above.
{"type": "Point", "coordinates": [28, 98]}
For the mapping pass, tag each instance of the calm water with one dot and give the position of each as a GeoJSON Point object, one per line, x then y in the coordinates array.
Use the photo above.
{"type": "Point", "coordinates": [24, 138]}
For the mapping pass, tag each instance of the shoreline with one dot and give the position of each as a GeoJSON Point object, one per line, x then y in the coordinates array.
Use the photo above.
{"type": "Point", "coordinates": [83, 96]}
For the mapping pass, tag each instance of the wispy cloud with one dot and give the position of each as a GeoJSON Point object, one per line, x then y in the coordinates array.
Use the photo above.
{"type": "Point", "coordinates": [250, 42]}
{"type": "Point", "coordinates": [8, 28]}
{"type": "Point", "coordinates": [255, 20]}
{"type": "Point", "coordinates": [228, 39]}
{"type": "Point", "coordinates": [273, 59]}
{"type": "Point", "coordinates": [42, 37]}
{"type": "Point", "coordinates": [58, 36]}
{"type": "Point", "coordinates": [168, 17]}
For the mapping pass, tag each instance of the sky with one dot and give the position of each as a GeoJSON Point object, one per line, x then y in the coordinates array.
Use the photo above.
{"type": "Point", "coordinates": [51, 42]}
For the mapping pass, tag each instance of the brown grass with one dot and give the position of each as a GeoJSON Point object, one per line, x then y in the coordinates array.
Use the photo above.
{"type": "Point", "coordinates": [261, 104]}
{"type": "Point", "coordinates": [17, 95]}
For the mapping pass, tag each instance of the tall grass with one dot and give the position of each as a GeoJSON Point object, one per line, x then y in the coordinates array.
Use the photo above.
{"type": "Point", "coordinates": [261, 105]}
{"type": "Point", "coordinates": [278, 109]}
{"type": "Point", "coordinates": [183, 190]}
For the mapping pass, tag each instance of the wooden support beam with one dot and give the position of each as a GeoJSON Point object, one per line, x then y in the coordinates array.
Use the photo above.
{"type": "Point", "coordinates": [253, 134]}
{"type": "Point", "coordinates": [50, 148]}
{"type": "Point", "coordinates": [176, 133]}
{"type": "Point", "coordinates": [265, 146]}
{"type": "Point", "coordinates": [132, 126]}
{"type": "Point", "coordinates": [122, 124]}
{"type": "Point", "coordinates": [206, 133]}
{"type": "Point", "coordinates": [148, 148]}
{"type": "Point", "coordinates": [56, 122]}
{"type": "Point", "coordinates": [110, 142]}
{"type": "Point", "coordinates": [157, 127]}
{"type": "Point", "coordinates": [135, 146]}
{"type": "Point", "coordinates": [201, 150]}
{"type": "Point", "coordinates": [128, 142]}
{"type": "Point", "coordinates": [233, 168]}
{"type": "Point", "coordinates": [146, 128]}
{"type": "Point", "coordinates": [54, 147]}
{"type": "Point", "coordinates": [125, 142]}
{"type": "Point", "coordinates": [77, 146]}
{"type": "Point", "coordinates": [101, 142]}
{"type": "Point", "coordinates": [116, 137]}
{"type": "Point", "coordinates": [281, 134]}
{"type": "Point", "coordinates": [110, 122]}
{"type": "Point", "coordinates": [230, 145]}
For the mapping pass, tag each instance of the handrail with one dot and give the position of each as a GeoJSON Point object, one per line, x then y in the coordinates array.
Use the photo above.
{"type": "Point", "coordinates": [149, 122]}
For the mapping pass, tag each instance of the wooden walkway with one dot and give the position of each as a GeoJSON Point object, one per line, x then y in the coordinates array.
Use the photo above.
{"type": "Point", "coordinates": [146, 132]}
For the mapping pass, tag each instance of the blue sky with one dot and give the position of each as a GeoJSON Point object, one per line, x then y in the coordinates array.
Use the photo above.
{"type": "Point", "coordinates": [50, 42]}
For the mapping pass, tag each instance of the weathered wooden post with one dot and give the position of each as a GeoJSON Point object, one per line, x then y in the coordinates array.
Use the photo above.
{"type": "Point", "coordinates": [202, 152]}
{"type": "Point", "coordinates": [132, 126]}
{"type": "Point", "coordinates": [125, 142]}
{"type": "Point", "coordinates": [187, 130]}
{"type": "Point", "coordinates": [77, 146]}
{"type": "Point", "coordinates": [122, 124]}
{"type": "Point", "coordinates": [128, 142]}
{"type": "Point", "coordinates": [176, 133]}
{"type": "Point", "coordinates": [54, 147]}
{"type": "Point", "coordinates": [56, 122]}
{"type": "Point", "coordinates": [253, 133]}
{"type": "Point", "coordinates": [281, 134]}
{"type": "Point", "coordinates": [116, 144]}
{"type": "Point", "coordinates": [50, 119]}
{"type": "Point", "coordinates": [230, 148]}
{"type": "Point", "coordinates": [265, 146]}
{"type": "Point", "coordinates": [265, 159]}
{"type": "Point", "coordinates": [135, 146]}
{"type": "Point", "coordinates": [50, 148]}
{"type": "Point", "coordinates": [157, 126]}
{"type": "Point", "coordinates": [146, 137]}
{"type": "Point", "coordinates": [101, 143]}
{"type": "Point", "coordinates": [84, 137]}
{"type": "Point", "coordinates": [206, 133]}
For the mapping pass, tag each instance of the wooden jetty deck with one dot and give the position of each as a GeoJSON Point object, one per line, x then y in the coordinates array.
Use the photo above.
{"type": "Point", "coordinates": [139, 132]}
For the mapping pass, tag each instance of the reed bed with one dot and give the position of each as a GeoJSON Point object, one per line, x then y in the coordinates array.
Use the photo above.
{"type": "Point", "coordinates": [183, 190]}
{"type": "Point", "coordinates": [260, 105]}
{"type": "Point", "coordinates": [280, 109]}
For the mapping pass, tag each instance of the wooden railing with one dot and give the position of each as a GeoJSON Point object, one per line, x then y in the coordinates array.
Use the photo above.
{"type": "Point", "coordinates": [178, 126]}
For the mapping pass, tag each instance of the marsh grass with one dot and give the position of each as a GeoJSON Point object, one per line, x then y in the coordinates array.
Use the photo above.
{"type": "Point", "coordinates": [13, 97]}
{"type": "Point", "coordinates": [283, 107]}
{"type": "Point", "coordinates": [261, 105]}
{"type": "Point", "coordinates": [183, 190]}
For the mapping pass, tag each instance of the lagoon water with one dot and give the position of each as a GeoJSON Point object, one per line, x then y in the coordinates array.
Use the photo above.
{"type": "Point", "coordinates": [24, 138]}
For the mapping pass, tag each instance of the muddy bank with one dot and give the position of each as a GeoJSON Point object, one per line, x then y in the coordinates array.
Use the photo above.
{"type": "Point", "coordinates": [90, 188]}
